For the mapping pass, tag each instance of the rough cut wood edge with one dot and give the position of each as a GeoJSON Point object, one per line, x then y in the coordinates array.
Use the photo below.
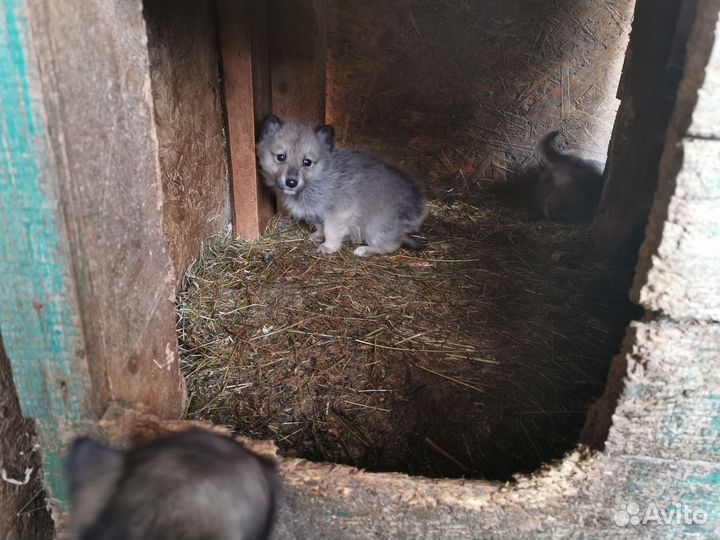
{"type": "Point", "coordinates": [670, 408]}
{"type": "Point", "coordinates": [678, 266]}
{"type": "Point", "coordinates": [646, 92]}
{"type": "Point", "coordinates": [576, 496]}
{"type": "Point", "coordinates": [242, 37]}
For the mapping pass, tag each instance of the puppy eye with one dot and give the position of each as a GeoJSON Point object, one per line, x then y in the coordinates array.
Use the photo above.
{"type": "Point", "coordinates": [280, 157]}
{"type": "Point", "coordinates": [307, 162]}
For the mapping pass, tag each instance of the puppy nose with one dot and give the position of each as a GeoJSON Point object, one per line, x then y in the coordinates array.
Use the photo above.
{"type": "Point", "coordinates": [291, 182]}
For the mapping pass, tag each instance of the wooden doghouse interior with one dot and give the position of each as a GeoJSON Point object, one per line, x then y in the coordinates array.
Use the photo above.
{"type": "Point", "coordinates": [456, 92]}
{"type": "Point", "coordinates": [478, 358]}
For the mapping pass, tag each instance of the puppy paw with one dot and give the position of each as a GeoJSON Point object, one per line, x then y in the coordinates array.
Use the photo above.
{"type": "Point", "coordinates": [363, 251]}
{"type": "Point", "coordinates": [328, 249]}
{"type": "Point", "coordinates": [318, 237]}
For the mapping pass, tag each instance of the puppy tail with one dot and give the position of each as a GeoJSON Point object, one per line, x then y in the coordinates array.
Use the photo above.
{"type": "Point", "coordinates": [412, 243]}
{"type": "Point", "coordinates": [548, 150]}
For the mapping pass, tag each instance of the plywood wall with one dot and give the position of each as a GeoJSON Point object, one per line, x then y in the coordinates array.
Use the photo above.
{"type": "Point", "coordinates": [487, 79]}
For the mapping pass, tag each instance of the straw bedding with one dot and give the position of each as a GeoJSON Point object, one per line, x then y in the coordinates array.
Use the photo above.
{"type": "Point", "coordinates": [479, 356]}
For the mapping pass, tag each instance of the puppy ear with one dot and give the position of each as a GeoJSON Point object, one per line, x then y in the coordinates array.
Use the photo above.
{"type": "Point", "coordinates": [87, 457]}
{"type": "Point", "coordinates": [326, 134]}
{"type": "Point", "coordinates": [270, 126]}
{"type": "Point", "coordinates": [93, 470]}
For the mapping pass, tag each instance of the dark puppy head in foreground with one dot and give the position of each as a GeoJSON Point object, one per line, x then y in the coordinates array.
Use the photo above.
{"type": "Point", "coordinates": [192, 485]}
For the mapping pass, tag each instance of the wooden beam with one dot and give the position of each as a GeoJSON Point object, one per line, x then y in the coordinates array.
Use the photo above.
{"type": "Point", "coordinates": [298, 53]}
{"type": "Point", "coordinates": [243, 44]}
{"type": "Point", "coordinates": [647, 91]}
{"type": "Point", "coordinates": [39, 312]}
{"type": "Point", "coordinates": [86, 284]}
{"type": "Point", "coordinates": [189, 119]}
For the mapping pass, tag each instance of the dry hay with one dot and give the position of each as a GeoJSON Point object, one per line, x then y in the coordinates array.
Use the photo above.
{"type": "Point", "coordinates": [476, 357]}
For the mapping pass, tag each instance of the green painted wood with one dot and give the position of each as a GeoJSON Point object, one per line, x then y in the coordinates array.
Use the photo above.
{"type": "Point", "coordinates": [39, 319]}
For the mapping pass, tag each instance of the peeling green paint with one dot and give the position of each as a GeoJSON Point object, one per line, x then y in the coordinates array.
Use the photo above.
{"type": "Point", "coordinates": [38, 315]}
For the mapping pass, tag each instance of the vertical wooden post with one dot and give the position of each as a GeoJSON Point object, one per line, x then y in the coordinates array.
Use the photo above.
{"type": "Point", "coordinates": [86, 284]}
{"type": "Point", "coordinates": [647, 90]}
{"type": "Point", "coordinates": [273, 57]}
{"type": "Point", "coordinates": [243, 44]}
{"type": "Point", "coordinates": [39, 314]}
{"type": "Point", "coordinates": [189, 118]}
{"type": "Point", "coordinates": [298, 49]}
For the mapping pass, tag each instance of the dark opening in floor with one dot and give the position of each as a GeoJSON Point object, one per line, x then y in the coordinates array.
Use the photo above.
{"type": "Point", "coordinates": [478, 357]}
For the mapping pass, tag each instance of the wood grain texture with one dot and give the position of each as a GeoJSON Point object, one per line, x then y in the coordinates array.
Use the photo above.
{"type": "Point", "coordinates": [648, 86]}
{"type": "Point", "coordinates": [670, 408]}
{"type": "Point", "coordinates": [102, 133]}
{"type": "Point", "coordinates": [242, 27]}
{"type": "Point", "coordinates": [187, 101]}
{"type": "Point", "coordinates": [679, 261]}
{"type": "Point", "coordinates": [40, 316]}
{"type": "Point", "coordinates": [87, 313]}
{"type": "Point", "coordinates": [298, 50]}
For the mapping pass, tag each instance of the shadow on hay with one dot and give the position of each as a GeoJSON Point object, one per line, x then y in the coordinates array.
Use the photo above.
{"type": "Point", "coordinates": [476, 358]}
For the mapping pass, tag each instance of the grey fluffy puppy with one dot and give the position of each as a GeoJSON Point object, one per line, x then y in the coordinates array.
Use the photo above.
{"type": "Point", "coordinates": [344, 193]}
{"type": "Point", "coordinates": [192, 485]}
{"type": "Point", "coordinates": [570, 190]}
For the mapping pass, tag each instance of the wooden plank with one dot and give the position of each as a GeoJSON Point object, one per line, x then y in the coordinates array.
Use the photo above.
{"type": "Point", "coordinates": [101, 126]}
{"type": "Point", "coordinates": [189, 117]}
{"type": "Point", "coordinates": [678, 267]}
{"type": "Point", "coordinates": [242, 27]}
{"type": "Point", "coordinates": [39, 312]}
{"type": "Point", "coordinates": [670, 408]}
{"type": "Point", "coordinates": [87, 285]}
{"type": "Point", "coordinates": [649, 82]}
{"type": "Point", "coordinates": [298, 48]}
{"type": "Point", "coordinates": [682, 279]}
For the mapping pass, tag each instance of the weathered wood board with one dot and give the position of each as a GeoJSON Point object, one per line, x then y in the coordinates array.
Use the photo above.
{"type": "Point", "coordinates": [102, 132]}
{"type": "Point", "coordinates": [671, 405]}
{"type": "Point", "coordinates": [39, 309]}
{"type": "Point", "coordinates": [188, 107]}
{"type": "Point", "coordinates": [87, 288]}
{"type": "Point", "coordinates": [679, 263]}
{"type": "Point", "coordinates": [653, 65]}
{"type": "Point", "coordinates": [87, 306]}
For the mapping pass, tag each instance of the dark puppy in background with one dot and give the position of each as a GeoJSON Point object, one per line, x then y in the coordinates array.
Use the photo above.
{"type": "Point", "coordinates": [343, 193]}
{"type": "Point", "coordinates": [570, 189]}
{"type": "Point", "coordinates": [193, 485]}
